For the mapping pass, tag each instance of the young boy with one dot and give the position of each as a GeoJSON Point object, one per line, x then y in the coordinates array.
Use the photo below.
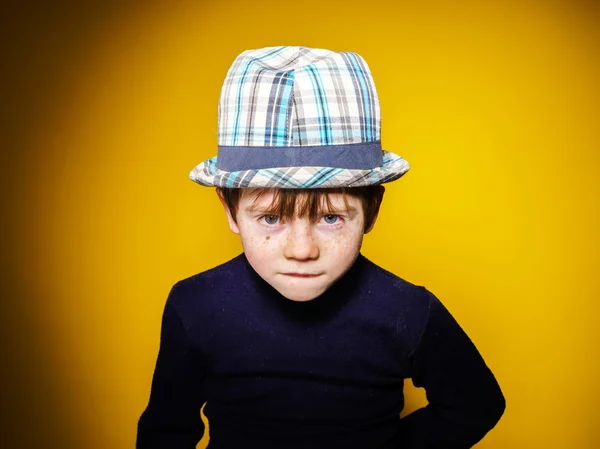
{"type": "Point", "coordinates": [301, 342]}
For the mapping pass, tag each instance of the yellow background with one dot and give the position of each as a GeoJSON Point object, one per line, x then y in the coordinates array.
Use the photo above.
{"type": "Point", "coordinates": [107, 107]}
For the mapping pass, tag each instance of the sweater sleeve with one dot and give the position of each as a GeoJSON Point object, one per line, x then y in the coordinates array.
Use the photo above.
{"type": "Point", "coordinates": [464, 398]}
{"type": "Point", "coordinates": [172, 417]}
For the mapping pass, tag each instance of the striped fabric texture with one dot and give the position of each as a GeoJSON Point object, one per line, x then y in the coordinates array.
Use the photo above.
{"type": "Point", "coordinates": [284, 101]}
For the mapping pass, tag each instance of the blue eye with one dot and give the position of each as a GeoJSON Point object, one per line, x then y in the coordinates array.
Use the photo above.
{"type": "Point", "coordinates": [331, 219]}
{"type": "Point", "coordinates": [270, 219]}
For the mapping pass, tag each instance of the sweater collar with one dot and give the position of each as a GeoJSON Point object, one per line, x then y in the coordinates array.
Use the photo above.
{"type": "Point", "coordinates": [338, 294]}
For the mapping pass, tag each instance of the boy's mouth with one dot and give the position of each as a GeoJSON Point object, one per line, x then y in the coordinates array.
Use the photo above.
{"type": "Point", "coordinates": [302, 275]}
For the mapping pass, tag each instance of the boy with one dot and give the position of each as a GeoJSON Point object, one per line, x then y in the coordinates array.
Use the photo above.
{"type": "Point", "coordinates": [301, 342]}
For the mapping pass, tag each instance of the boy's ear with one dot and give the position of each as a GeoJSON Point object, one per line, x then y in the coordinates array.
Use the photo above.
{"type": "Point", "coordinates": [379, 200]}
{"type": "Point", "coordinates": [372, 225]}
{"type": "Point", "coordinates": [232, 224]}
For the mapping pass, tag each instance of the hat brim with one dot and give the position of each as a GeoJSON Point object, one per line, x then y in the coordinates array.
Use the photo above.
{"type": "Point", "coordinates": [207, 174]}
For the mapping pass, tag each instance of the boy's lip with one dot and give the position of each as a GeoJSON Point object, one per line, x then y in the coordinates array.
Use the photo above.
{"type": "Point", "coordinates": [303, 275]}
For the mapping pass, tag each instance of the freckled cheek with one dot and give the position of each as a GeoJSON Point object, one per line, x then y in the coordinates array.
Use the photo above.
{"type": "Point", "coordinates": [262, 246]}
{"type": "Point", "coordinates": [341, 242]}
{"type": "Point", "coordinates": [253, 244]}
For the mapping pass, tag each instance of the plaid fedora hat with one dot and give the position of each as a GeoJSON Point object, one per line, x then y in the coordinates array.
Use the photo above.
{"type": "Point", "coordinates": [299, 118]}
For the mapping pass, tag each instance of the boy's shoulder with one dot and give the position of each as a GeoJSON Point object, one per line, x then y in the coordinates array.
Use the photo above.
{"type": "Point", "coordinates": [377, 275]}
{"type": "Point", "coordinates": [222, 274]}
{"type": "Point", "coordinates": [213, 282]}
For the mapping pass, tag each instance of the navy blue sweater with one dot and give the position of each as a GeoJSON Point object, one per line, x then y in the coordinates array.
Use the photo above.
{"type": "Point", "coordinates": [322, 374]}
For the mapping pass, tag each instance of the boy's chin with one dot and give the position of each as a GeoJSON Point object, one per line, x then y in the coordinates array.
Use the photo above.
{"type": "Point", "coordinates": [299, 295]}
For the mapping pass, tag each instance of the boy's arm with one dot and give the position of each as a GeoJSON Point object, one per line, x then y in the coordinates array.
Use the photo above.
{"type": "Point", "coordinates": [465, 401]}
{"type": "Point", "coordinates": [172, 417]}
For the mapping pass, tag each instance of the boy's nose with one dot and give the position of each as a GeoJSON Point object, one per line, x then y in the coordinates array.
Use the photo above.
{"type": "Point", "coordinates": [300, 243]}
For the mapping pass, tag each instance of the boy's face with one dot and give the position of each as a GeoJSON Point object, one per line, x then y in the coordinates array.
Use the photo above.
{"type": "Point", "coordinates": [299, 258]}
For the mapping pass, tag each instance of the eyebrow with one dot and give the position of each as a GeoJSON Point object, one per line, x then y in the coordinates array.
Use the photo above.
{"type": "Point", "coordinates": [257, 208]}
{"type": "Point", "coordinates": [268, 208]}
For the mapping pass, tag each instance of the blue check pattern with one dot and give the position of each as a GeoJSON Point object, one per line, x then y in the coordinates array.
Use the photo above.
{"type": "Point", "coordinates": [287, 96]}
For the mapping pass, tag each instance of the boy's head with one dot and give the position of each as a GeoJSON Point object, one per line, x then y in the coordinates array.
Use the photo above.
{"type": "Point", "coordinates": [300, 164]}
{"type": "Point", "coordinates": [301, 241]}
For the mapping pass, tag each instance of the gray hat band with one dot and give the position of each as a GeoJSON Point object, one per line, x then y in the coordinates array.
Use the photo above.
{"type": "Point", "coordinates": [358, 156]}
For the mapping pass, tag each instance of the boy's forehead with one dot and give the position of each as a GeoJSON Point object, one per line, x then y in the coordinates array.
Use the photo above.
{"type": "Point", "coordinates": [259, 197]}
